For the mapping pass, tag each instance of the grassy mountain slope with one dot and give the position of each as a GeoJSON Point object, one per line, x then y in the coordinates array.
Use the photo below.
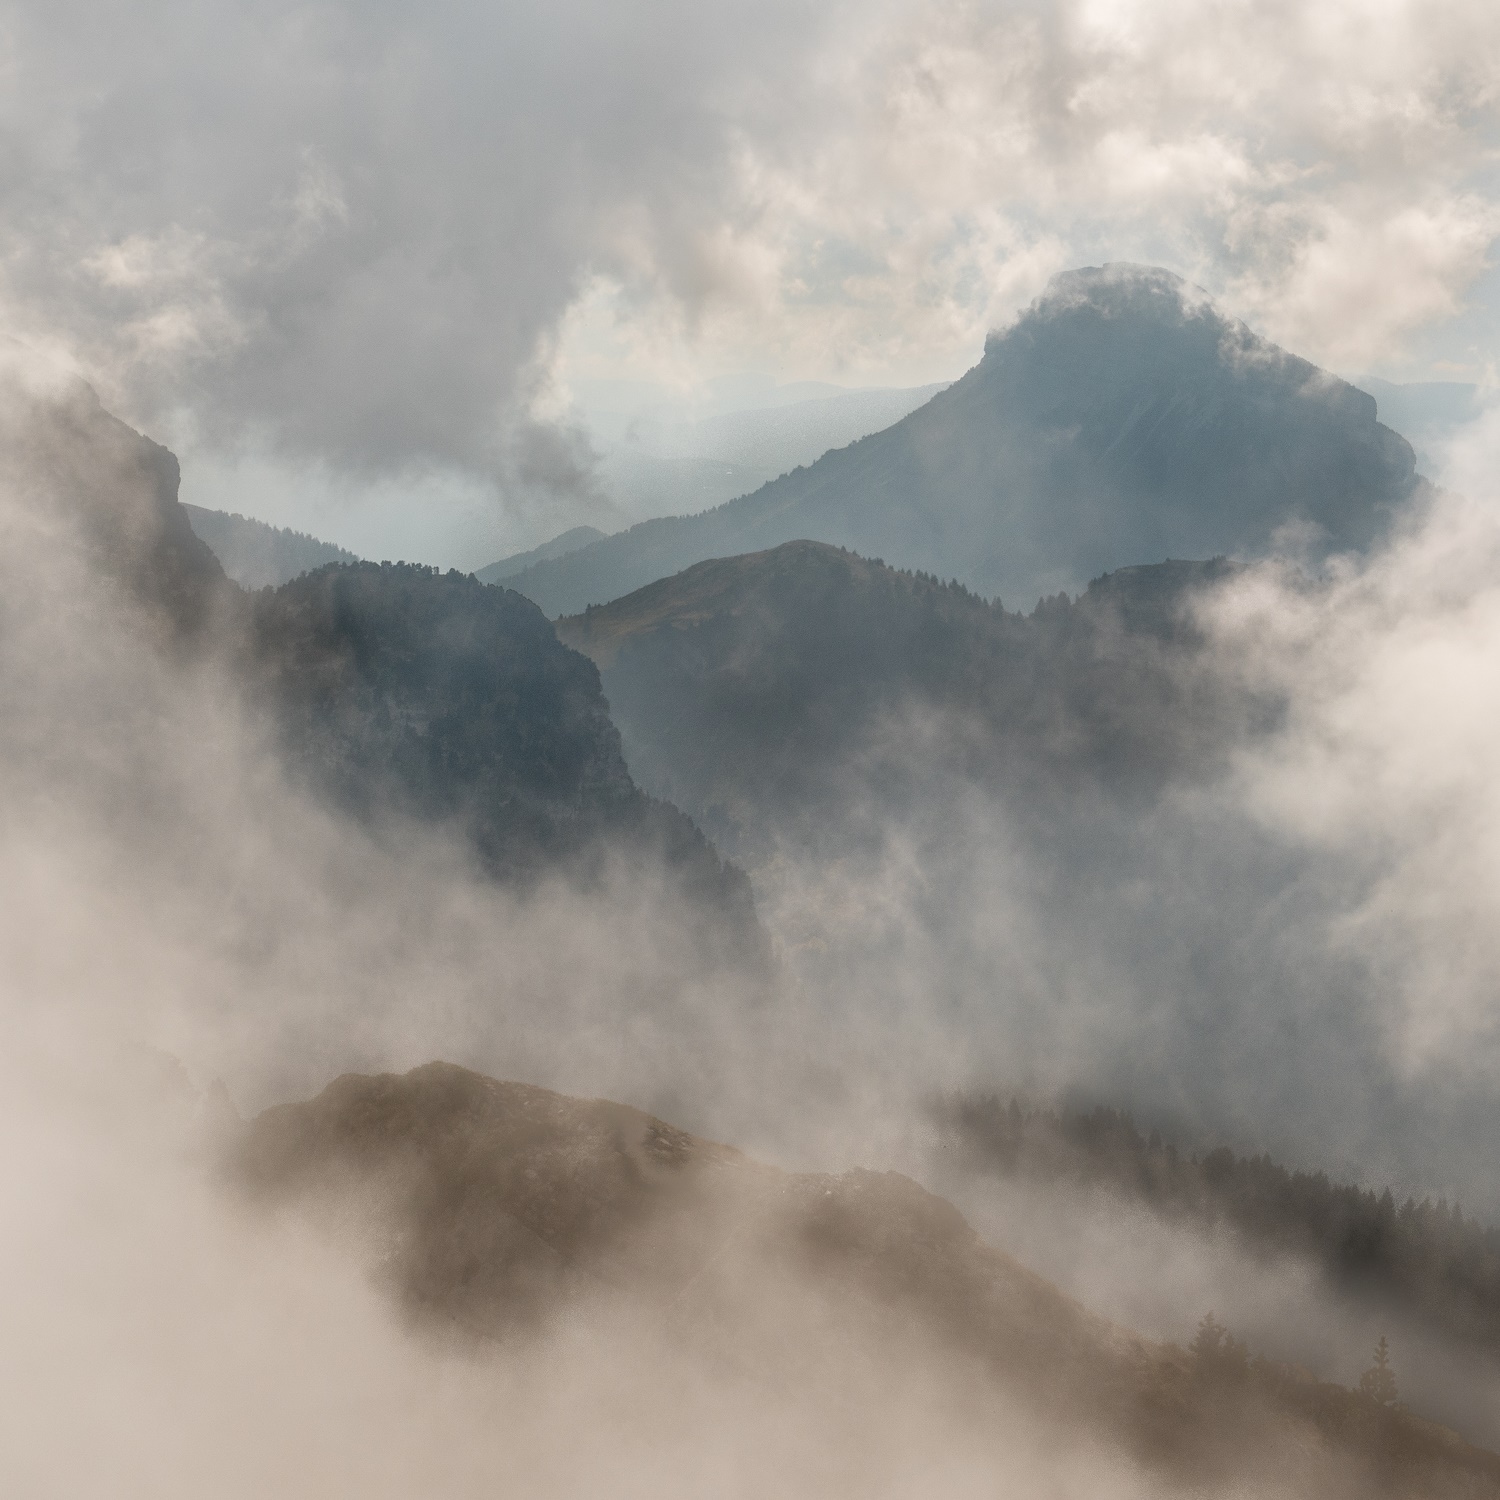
{"type": "Point", "coordinates": [1123, 419]}
{"type": "Point", "coordinates": [491, 1209]}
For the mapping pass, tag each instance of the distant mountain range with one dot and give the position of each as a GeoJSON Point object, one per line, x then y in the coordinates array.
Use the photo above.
{"type": "Point", "coordinates": [1122, 420]}
{"type": "Point", "coordinates": [256, 555]}
{"type": "Point", "coordinates": [559, 546]}
{"type": "Point", "coordinates": [763, 691]}
{"type": "Point", "coordinates": [654, 463]}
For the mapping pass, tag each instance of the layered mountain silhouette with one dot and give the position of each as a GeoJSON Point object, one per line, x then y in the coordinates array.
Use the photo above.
{"type": "Point", "coordinates": [779, 687]}
{"type": "Point", "coordinates": [559, 546]}
{"type": "Point", "coordinates": [257, 555]}
{"type": "Point", "coordinates": [1122, 420]}
{"type": "Point", "coordinates": [393, 689]}
{"type": "Point", "coordinates": [490, 1210]}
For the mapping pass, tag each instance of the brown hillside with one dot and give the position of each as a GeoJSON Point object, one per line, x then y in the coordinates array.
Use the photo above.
{"type": "Point", "coordinates": [490, 1208]}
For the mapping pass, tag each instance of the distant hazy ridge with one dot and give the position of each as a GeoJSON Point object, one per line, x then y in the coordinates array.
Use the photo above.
{"type": "Point", "coordinates": [1122, 420]}
{"type": "Point", "coordinates": [257, 555]}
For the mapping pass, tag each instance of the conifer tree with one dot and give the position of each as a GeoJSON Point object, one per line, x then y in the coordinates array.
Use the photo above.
{"type": "Point", "coordinates": [1379, 1381]}
{"type": "Point", "coordinates": [1209, 1340]}
{"type": "Point", "coordinates": [1216, 1352]}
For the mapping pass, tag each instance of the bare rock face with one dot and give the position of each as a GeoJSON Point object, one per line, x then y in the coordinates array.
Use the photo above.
{"type": "Point", "coordinates": [1122, 420]}
{"type": "Point", "coordinates": [67, 464]}
{"type": "Point", "coordinates": [494, 1210]}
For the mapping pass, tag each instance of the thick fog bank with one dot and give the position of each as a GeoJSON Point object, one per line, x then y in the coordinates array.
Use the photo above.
{"type": "Point", "coordinates": [1224, 853]}
{"type": "Point", "coordinates": [177, 879]}
{"type": "Point", "coordinates": [172, 1340]}
{"type": "Point", "coordinates": [182, 891]}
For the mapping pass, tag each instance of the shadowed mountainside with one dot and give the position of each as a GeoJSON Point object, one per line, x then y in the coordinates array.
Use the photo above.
{"type": "Point", "coordinates": [391, 688]}
{"type": "Point", "coordinates": [1122, 420]}
{"type": "Point", "coordinates": [401, 687]}
{"type": "Point", "coordinates": [488, 1209]}
{"type": "Point", "coordinates": [749, 689]}
{"type": "Point", "coordinates": [257, 555]}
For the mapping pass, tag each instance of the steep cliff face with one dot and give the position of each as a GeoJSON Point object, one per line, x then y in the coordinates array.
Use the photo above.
{"type": "Point", "coordinates": [110, 494]}
{"type": "Point", "coordinates": [1122, 420]}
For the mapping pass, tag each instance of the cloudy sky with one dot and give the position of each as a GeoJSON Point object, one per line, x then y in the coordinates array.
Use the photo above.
{"type": "Point", "coordinates": [377, 248]}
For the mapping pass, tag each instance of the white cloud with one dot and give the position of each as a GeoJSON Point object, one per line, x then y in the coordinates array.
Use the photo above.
{"type": "Point", "coordinates": [364, 234]}
{"type": "Point", "coordinates": [1385, 768]}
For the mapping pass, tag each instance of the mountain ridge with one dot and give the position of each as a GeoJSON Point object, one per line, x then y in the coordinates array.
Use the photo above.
{"type": "Point", "coordinates": [388, 689]}
{"type": "Point", "coordinates": [489, 1208]}
{"type": "Point", "coordinates": [559, 546]}
{"type": "Point", "coordinates": [1121, 419]}
{"type": "Point", "coordinates": [256, 554]}
{"type": "Point", "coordinates": [747, 688]}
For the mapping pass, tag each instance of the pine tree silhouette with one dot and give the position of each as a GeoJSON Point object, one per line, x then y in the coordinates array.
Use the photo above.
{"type": "Point", "coordinates": [1216, 1352]}
{"type": "Point", "coordinates": [1379, 1381]}
{"type": "Point", "coordinates": [1208, 1344]}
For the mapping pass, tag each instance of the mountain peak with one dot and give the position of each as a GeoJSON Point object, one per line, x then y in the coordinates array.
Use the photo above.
{"type": "Point", "coordinates": [1122, 419]}
{"type": "Point", "coordinates": [1119, 286]}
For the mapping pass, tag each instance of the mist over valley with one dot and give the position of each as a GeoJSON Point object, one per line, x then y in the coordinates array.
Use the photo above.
{"type": "Point", "coordinates": [750, 753]}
